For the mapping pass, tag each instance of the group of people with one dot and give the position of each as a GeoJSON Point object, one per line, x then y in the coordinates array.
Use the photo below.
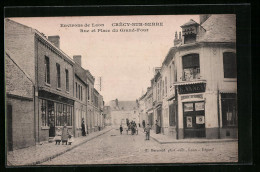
{"type": "Point", "coordinates": [63, 136]}
{"type": "Point", "coordinates": [134, 129]}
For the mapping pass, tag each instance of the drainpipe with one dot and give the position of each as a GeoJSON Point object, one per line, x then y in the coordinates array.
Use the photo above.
{"type": "Point", "coordinates": [218, 115]}
{"type": "Point", "coordinates": [177, 114]}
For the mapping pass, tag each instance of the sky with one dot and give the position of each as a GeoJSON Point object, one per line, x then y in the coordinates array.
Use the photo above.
{"type": "Point", "coordinates": [124, 60]}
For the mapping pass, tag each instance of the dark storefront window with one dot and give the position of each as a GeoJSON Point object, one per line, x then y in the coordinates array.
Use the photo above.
{"type": "Point", "coordinates": [229, 110]}
{"type": "Point", "coordinates": [191, 67]}
{"type": "Point", "coordinates": [229, 62]}
{"type": "Point", "coordinates": [60, 113]}
{"type": "Point", "coordinates": [43, 112]}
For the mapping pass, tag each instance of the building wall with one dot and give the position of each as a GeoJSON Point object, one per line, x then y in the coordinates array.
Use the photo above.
{"type": "Point", "coordinates": [80, 108]}
{"type": "Point", "coordinates": [19, 39]}
{"type": "Point", "coordinates": [211, 70]}
{"type": "Point", "coordinates": [42, 51]}
{"type": "Point", "coordinates": [19, 90]}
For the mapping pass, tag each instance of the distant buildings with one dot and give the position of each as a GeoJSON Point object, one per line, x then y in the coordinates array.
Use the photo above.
{"type": "Point", "coordinates": [195, 89]}
{"type": "Point", "coordinates": [122, 110]}
{"type": "Point", "coordinates": [45, 88]}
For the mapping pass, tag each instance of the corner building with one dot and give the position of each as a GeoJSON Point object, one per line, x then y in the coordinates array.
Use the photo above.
{"type": "Point", "coordinates": [51, 72]}
{"type": "Point", "coordinates": [206, 82]}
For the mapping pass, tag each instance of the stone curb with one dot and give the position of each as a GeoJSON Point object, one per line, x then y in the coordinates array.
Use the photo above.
{"type": "Point", "coordinates": [64, 151]}
{"type": "Point", "coordinates": [195, 141]}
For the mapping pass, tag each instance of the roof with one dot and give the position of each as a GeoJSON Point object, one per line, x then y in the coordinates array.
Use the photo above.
{"type": "Point", "coordinates": [169, 56]}
{"type": "Point", "coordinates": [219, 28]}
{"type": "Point", "coordinates": [124, 105]}
{"type": "Point", "coordinates": [190, 23]}
{"type": "Point", "coordinates": [43, 37]}
{"type": "Point", "coordinates": [82, 74]}
{"type": "Point", "coordinates": [9, 54]}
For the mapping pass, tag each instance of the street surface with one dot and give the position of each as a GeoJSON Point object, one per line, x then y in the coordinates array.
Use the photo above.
{"type": "Point", "coordinates": [113, 148]}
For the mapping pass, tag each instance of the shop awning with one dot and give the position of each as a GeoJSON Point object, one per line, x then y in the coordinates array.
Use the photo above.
{"type": "Point", "coordinates": [189, 82]}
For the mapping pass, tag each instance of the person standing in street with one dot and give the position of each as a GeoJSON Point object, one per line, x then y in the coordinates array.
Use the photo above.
{"type": "Point", "coordinates": [121, 129]}
{"type": "Point", "coordinates": [65, 134]}
{"type": "Point", "coordinates": [143, 123]}
{"type": "Point", "coordinates": [147, 131]}
{"type": "Point", "coordinates": [83, 128]}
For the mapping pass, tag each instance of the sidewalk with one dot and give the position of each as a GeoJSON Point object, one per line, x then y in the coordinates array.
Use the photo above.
{"type": "Point", "coordinates": [164, 139]}
{"type": "Point", "coordinates": [40, 153]}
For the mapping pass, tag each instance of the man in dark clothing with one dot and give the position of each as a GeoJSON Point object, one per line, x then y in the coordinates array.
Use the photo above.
{"type": "Point", "coordinates": [83, 128]}
{"type": "Point", "coordinates": [143, 125]}
{"type": "Point", "coordinates": [147, 130]}
{"type": "Point", "coordinates": [121, 129]}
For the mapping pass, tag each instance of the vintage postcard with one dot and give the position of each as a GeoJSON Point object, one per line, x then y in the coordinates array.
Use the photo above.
{"type": "Point", "coordinates": [139, 89]}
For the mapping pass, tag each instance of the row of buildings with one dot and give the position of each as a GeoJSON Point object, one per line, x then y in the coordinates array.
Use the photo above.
{"type": "Point", "coordinates": [45, 88]}
{"type": "Point", "coordinates": [194, 93]}
{"type": "Point", "coordinates": [121, 111]}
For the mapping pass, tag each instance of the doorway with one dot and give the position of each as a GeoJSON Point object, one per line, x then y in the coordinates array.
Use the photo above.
{"type": "Point", "coordinates": [9, 128]}
{"type": "Point", "coordinates": [51, 117]}
{"type": "Point", "coordinates": [194, 119]}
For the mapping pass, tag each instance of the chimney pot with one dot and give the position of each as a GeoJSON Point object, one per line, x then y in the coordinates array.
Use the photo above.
{"type": "Point", "coordinates": [55, 40]}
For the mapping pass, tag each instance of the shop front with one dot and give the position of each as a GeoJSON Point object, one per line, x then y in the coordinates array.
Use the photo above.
{"type": "Point", "coordinates": [54, 112]}
{"type": "Point", "coordinates": [191, 119]}
{"type": "Point", "coordinates": [194, 119]}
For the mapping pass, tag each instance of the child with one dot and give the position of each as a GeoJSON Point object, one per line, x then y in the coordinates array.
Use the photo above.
{"type": "Point", "coordinates": [57, 137]}
{"type": "Point", "coordinates": [70, 140]}
{"type": "Point", "coordinates": [121, 129]}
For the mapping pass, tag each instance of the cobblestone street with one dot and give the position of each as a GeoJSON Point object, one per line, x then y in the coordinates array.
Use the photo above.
{"type": "Point", "coordinates": [113, 148]}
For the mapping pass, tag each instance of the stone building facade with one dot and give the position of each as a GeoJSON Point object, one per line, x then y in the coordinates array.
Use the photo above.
{"type": "Point", "coordinates": [19, 106]}
{"type": "Point", "coordinates": [195, 89]}
{"type": "Point", "coordinates": [58, 90]}
{"type": "Point", "coordinates": [51, 71]}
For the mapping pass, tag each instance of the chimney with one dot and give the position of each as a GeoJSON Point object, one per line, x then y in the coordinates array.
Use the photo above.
{"type": "Point", "coordinates": [77, 59]}
{"type": "Point", "coordinates": [204, 17]}
{"type": "Point", "coordinates": [55, 40]}
{"type": "Point", "coordinates": [176, 40]}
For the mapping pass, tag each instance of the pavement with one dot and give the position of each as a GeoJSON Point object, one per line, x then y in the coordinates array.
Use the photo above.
{"type": "Point", "coordinates": [40, 153]}
{"type": "Point", "coordinates": [164, 139]}
{"type": "Point", "coordinates": [109, 147]}
{"type": "Point", "coordinates": [115, 148]}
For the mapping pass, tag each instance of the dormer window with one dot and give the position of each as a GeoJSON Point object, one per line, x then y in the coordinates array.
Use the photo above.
{"type": "Point", "coordinates": [189, 31]}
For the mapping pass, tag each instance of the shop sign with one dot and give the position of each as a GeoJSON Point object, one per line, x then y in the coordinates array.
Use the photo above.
{"type": "Point", "coordinates": [200, 120]}
{"type": "Point", "coordinates": [189, 122]}
{"type": "Point", "coordinates": [192, 88]}
{"type": "Point", "coordinates": [199, 96]}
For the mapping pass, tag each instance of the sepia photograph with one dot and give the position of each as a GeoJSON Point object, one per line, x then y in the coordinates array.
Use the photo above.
{"type": "Point", "coordinates": [133, 89]}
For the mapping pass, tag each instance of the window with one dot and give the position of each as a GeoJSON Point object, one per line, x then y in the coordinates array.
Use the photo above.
{"type": "Point", "coordinates": [165, 86]}
{"type": "Point", "coordinates": [189, 38]}
{"type": "Point", "coordinates": [229, 62]}
{"type": "Point", "coordinates": [47, 70]}
{"type": "Point", "coordinates": [229, 110]}
{"type": "Point", "coordinates": [191, 67]}
{"type": "Point", "coordinates": [43, 112]}
{"type": "Point", "coordinates": [88, 91]}
{"type": "Point", "coordinates": [58, 74]}
{"type": "Point", "coordinates": [162, 88]}
{"type": "Point", "coordinates": [76, 90]}
{"type": "Point", "coordinates": [67, 79]}
{"type": "Point", "coordinates": [79, 91]}
{"type": "Point", "coordinates": [170, 75]}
